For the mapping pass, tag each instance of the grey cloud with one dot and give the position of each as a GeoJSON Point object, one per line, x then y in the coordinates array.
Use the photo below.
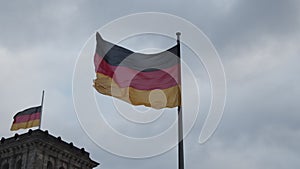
{"type": "Point", "coordinates": [257, 42]}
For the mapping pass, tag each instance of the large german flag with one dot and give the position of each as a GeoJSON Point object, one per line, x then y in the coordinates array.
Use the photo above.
{"type": "Point", "coordinates": [30, 117]}
{"type": "Point", "coordinates": [151, 80]}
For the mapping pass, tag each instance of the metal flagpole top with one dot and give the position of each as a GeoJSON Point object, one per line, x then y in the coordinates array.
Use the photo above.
{"type": "Point", "coordinates": [178, 35]}
{"type": "Point", "coordinates": [42, 104]}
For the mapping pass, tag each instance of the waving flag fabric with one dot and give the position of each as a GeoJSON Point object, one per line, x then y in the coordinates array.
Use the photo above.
{"type": "Point", "coordinates": [30, 117]}
{"type": "Point", "coordinates": [139, 79]}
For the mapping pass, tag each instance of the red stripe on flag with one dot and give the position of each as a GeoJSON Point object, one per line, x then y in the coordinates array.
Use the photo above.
{"type": "Point", "coordinates": [27, 117]}
{"type": "Point", "coordinates": [126, 77]}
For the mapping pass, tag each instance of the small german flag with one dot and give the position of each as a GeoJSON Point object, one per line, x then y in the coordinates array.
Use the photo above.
{"type": "Point", "coordinates": [28, 118]}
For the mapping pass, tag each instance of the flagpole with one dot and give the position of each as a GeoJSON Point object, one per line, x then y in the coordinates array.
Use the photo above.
{"type": "Point", "coordinates": [42, 103]}
{"type": "Point", "coordinates": [179, 109]}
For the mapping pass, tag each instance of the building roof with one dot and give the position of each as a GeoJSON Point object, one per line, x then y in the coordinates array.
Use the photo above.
{"type": "Point", "coordinates": [42, 139]}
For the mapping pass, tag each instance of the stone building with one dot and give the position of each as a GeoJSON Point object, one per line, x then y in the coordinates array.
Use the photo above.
{"type": "Point", "coordinates": [37, 149]}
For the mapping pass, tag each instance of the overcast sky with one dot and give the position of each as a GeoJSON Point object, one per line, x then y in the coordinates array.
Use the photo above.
{"type": "Point", "coordinates": [258, 43]}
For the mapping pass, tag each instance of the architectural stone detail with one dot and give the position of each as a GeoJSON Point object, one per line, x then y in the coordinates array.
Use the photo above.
{"type": "Point", "coordinates": [39, 150]}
